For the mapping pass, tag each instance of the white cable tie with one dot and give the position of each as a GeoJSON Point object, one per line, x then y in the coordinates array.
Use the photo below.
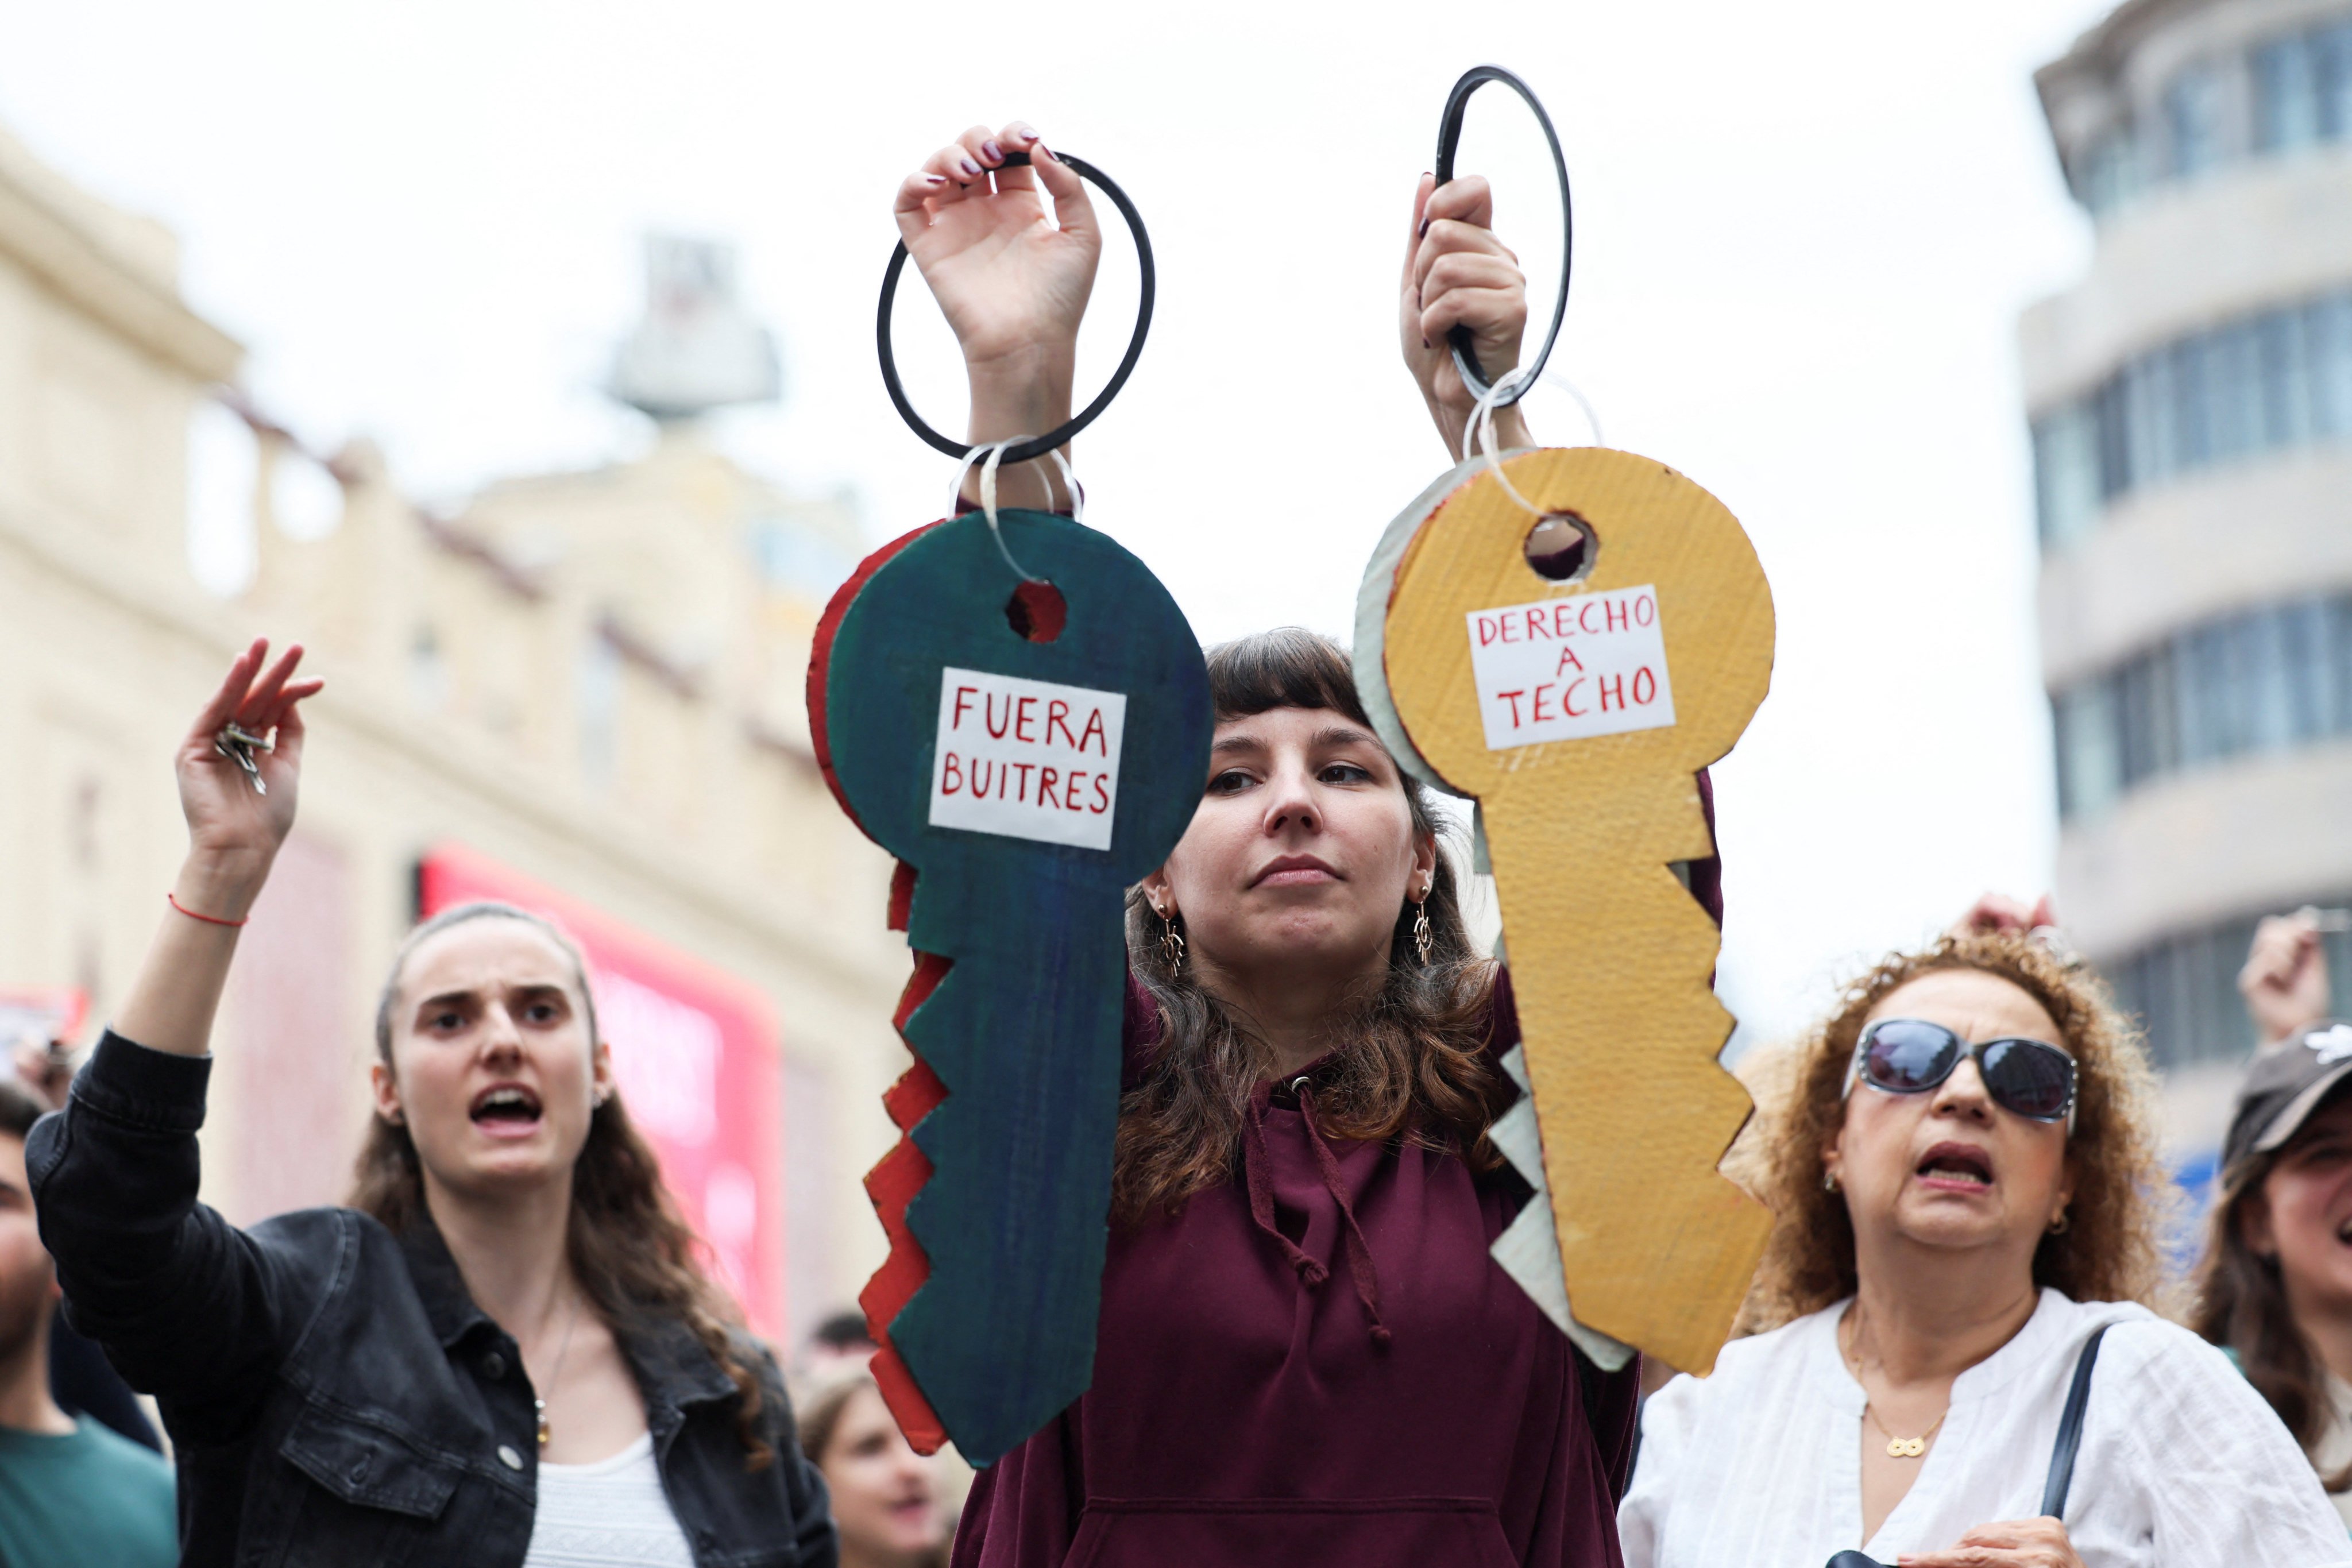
{"type": "Point", "coordinates": [1481, 429]}
{"type": "Point", "coordinates": [992, 453]}
{"type": "Point", "coordinates": [1582, 402]}
{"type": "Point", "coordinates": [988, 504]}
{"type": "Point", "coordinates": [1069, 483]}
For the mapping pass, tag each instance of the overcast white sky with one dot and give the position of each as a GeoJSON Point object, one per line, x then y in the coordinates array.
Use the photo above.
{"type": "Point", "coordinates": [1804, 232]}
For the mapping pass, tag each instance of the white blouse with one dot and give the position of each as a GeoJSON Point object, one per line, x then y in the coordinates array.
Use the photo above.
{"type": "Point", "coordinates": [611, 1514]}
{"type": "Point", "coordinates": [2181, 1463]}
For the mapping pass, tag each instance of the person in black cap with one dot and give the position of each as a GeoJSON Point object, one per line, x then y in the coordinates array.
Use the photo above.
{"type": "Point", "coordinates": [2274, 1287]}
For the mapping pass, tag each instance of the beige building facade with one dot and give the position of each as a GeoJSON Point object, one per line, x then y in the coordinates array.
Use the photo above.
{"type": "Point", "coordinates": [2191, 407]}
{"type": "Point", "coordinates": [590, 679]}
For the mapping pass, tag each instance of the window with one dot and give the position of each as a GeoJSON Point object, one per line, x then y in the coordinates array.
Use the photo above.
{"type": "Point", "coordinates": [2067, 472]}
{"type": "Point", "coordinates": [2339, 666]}
{"type": "Point", "coordinates": [2114, 406]}
{"type": "Point", "coordinates": [2090, 762]}
{"type": "Point", "coordinates": [2147, 708]}
{"type": "Point", "coordinates": [2331, 63]}
{"type": "Point", "coordinates": [2193, 401]}
{"type": "Point", "coordinates": [2265, 685]}
{"type": "Point", "coordinates": [2233, 391]}
{"type": "Point", "coordinates": [600, 703]}
{"type": "Point", "coordinates": [2327, 361]}
{"type": "Point", "coordinates": [2206, 695]}
{"type": "Point", "coordinates": [2192, 120]}
{"type": "Point", "coordinates": [2110, 175]}
{"type": "Point", "coordinates": [2152, 390]}
{"type": "Point", "coordinates": [2262, 681]}
{"type": "Point", "coordinates": [2286, 98]}
{"type": "Point", "coordinates": [2278, 379]}
{"type": "Point", "coordinates": [2307, 657]}
{"type": "Point", "coordinates": [428, 672]}
{"type": "Point", "coordinates": [2284, 377]}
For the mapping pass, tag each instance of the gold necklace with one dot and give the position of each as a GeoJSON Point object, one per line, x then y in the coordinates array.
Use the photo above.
{"type": "Point", "coordinates": [1904, 1447]}
{"type": "Point", "coordinates": [1896, 1447]}
{"type": "Point", "coordinates": [539, 1403]}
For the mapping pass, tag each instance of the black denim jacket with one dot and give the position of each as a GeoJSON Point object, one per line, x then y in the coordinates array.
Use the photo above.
{"type": "Point", "coordinates": [335, 1397]}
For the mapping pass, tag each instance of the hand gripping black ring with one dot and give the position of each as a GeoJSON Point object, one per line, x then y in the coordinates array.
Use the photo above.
{"type": "Point", "coordinates": [1051, 439]}
{"type": "Point", "coordinates": [1449, 135]}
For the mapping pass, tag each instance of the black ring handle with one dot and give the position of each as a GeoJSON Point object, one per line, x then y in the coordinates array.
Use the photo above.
{"type": "Point", "coordinates": [1086, 417]}
{"type": "Point", "coordinates": [1449, 136]}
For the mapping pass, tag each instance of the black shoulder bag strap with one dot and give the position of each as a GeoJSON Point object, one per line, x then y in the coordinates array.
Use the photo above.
{"type": "Point", "coordinates": [2062, 1454]}
{"type": "Point", "coordinates": [2070, 1428]}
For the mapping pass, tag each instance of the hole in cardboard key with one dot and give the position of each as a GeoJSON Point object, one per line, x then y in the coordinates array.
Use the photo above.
{"type": "Point", "coordinates": [1036, 611]}
{"type": "Point", "coordinates": [1561, 547]}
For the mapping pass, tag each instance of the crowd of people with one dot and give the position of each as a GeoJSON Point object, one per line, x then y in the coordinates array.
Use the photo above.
{"type": "Point", "coordinates": [503, 1350]}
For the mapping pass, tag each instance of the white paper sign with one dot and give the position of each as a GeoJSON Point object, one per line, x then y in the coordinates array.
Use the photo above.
{"type": "Point", "coordinates": [1563, 669]}
{"type": "Point", "coordinates": [1027, 759]}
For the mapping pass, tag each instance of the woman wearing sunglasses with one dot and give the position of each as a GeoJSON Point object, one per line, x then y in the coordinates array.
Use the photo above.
{"type": "Point", "coordinates": [1965, 1180]}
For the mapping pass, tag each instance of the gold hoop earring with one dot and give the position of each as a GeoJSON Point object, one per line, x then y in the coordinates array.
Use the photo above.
{"type": "Point", "coordinates": [1172, 942]}
{"type": "Point", "coordinates": [2058, 1227]}
{"type": "Point", "coordinates": [1422, 939]}
{"type": "Point", "coordinates": [1829, 1181]}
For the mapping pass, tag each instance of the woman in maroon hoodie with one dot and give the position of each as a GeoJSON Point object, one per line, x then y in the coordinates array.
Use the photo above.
{"type": "Point", "coordinates": [1305, 1353]}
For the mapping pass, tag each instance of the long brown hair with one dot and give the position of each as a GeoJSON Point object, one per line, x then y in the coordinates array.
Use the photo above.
{"type": "Point", "coordinates": [1414, 1065]}
{"type": "Point", "coordinates": [2240, 1305]}
{"type": "Point", "coordinates": [627, 1246]}
{"type": "Point", "coordinates": [2107, 1251]}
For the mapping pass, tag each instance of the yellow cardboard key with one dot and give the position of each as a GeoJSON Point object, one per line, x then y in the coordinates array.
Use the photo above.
{"type": "Point", "coordinates": [1577, 713]}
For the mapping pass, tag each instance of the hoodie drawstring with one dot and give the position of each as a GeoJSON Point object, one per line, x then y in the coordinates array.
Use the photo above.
{"type": "Point", "coordinates": [1360, 1272]}
{"type": "Point", "coordinates": [1261, 1192]}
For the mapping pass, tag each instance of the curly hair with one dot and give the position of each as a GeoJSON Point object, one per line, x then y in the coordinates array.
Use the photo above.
{"type": "Point", "coordinates": [2109, 1249]}
{"type": "Point", "coordinates": [1415, 1067]}
{"type": "Point", "coordinates": [632, 1252]}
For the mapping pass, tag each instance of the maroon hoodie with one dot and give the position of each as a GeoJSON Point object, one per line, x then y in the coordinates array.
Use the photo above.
{"type": "Point", "coordinates": [1318, 1363]}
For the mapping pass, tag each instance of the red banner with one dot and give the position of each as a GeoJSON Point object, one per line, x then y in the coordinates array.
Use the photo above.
{"type": "Point", "coordinates": [694, 1049]}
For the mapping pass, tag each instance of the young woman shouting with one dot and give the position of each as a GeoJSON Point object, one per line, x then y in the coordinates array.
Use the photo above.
{"type": "Point", "coordinates": [502, 1354]}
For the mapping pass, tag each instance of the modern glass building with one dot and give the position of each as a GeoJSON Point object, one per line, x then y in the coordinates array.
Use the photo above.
{"type": "Point", "coordinates": [2190, 401]}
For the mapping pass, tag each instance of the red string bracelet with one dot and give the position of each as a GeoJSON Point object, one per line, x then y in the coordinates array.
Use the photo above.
{"type": "Point", "coordinates": [208, 919]}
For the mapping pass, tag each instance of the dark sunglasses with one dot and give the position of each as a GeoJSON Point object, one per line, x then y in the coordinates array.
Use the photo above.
{"type": "Point", "coordinates": [2032, 1078]}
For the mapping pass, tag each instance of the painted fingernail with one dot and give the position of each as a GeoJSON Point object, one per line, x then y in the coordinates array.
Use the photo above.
{"type": "Point", "coordinates": [970, 167]}
{"type": "Point", "coordinates": [1424, 230]}
{"type": "Point", "coordinates": [935, 179]}
{"type": "Point", "coordinates": [1023, 133]}
{"type": "Point", "coordinates": [1047, 154]}
{"type": "Point", "coordinates": [1425, 339]}
{"type": "Point", "coordinates": [992, 151]}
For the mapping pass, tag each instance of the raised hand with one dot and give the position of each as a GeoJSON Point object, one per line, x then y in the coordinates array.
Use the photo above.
{"type": "Point", "coordinates": [1458, 274]}
{"type": "Point", "coordinates": [1012, 285]}
{"type": "Point", "coordinates": [1998, 912]}
{"type": "Point", "coordinates": [233, 827]}
{"type": "Point", "coordinates": [2285, 980]}
{"type": "Point", "coordinates": [233, 834]}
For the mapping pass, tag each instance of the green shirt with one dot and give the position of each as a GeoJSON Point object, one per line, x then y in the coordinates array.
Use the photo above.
{"type": "Point", "coordinates": [87, 1497]}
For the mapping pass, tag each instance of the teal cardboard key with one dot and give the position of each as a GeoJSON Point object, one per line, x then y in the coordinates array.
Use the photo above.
{"type": "Point", "coordinates": [1028, 749]}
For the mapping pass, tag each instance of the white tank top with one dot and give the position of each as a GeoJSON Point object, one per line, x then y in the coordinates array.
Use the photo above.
{"type": "Point", "coordinates": [610, 1514]}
